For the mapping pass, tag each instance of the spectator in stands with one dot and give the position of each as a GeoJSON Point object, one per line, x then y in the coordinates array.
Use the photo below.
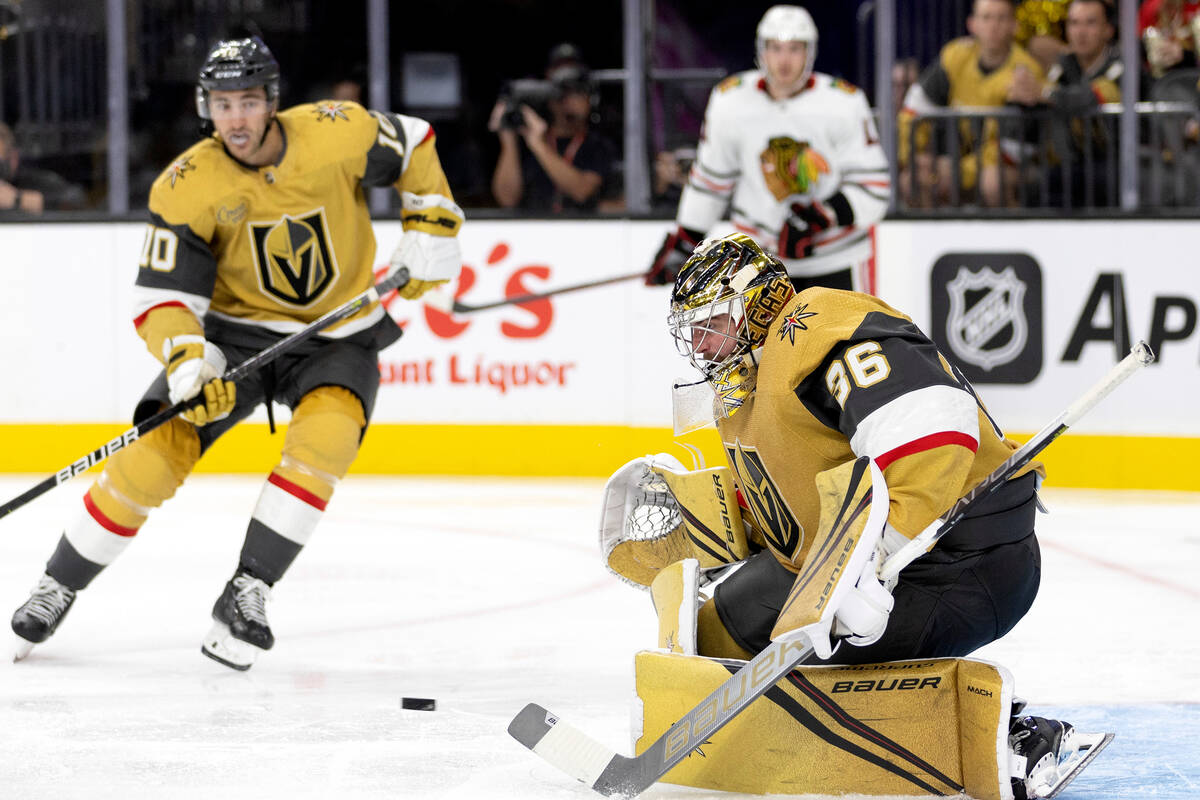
{"type": "Point", "coordinates": [971, 71]}
{"type": "Point", "coordinates": [1168, 29]}
{"type": "Point", "coordinates": [346, 84]}
{"type": "Point", "coordinates": [1086, 76]}
{"type": "Point", "coordinates": [557, 165]}
{"type": "Point", "coordinates": [1041, 29]}
{"type": "Point", "coordinates": [30, 190]}
{"type": "Point", "coordinates": [670, 175]}
{"type": "Point", "coordinates": [905, 73]}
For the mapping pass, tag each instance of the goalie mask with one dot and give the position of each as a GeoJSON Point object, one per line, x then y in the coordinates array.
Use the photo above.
{"type": "Point", "coordinates": [726, 296]}
{"type": "Point", "coordinates": [235, 64]}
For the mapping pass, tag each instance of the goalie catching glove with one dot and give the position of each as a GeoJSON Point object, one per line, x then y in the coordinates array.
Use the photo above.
{"type": "Point", "coordinates": [431, 261]}
{"type": "Point", "coordinates": [194, 367]}
{"type": "Point", "coordinates": [657, 512]}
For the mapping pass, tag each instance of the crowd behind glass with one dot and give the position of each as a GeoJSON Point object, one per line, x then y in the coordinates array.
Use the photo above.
{"type": "Point", "coordinates": [1037, 129]}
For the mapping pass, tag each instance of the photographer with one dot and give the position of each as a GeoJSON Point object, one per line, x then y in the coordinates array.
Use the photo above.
{"type": "Point", "coordinates": [30, 190]}
{"type": "Point", "coordinates": [563, 165]}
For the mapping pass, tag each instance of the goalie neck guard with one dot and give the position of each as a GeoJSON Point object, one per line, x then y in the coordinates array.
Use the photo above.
{"type": "Point", "coordinates": [234, 64]}
{"type": "Point", "coordinates": [725, 298]}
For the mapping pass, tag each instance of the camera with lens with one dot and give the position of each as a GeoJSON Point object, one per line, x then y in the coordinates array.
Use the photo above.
{"type": "Point", "coordinates": [531, 92]}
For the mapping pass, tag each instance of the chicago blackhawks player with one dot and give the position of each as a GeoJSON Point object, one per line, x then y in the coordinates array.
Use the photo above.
{"type": "Point", "coordinates": [255, 232]}
{"type": "Point", "coordinates": [795, 156]}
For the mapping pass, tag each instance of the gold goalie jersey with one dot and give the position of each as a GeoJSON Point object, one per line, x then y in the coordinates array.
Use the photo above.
{"type": "Point", "coordinates": [843, 375]}
{"type": "Point", "coordinates": [275, 247]}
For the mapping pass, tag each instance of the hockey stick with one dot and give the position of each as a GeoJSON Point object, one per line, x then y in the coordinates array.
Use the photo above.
{"type": "Point", "coordinates": [447, 304]}
{"type": "Point", "coordinates": [352, 306]}
{"type": "Point", "coordinates": [613, 774]}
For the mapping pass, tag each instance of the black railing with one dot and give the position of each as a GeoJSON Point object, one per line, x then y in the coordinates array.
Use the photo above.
{"type": "Point", "coordinates": [1042, 162]}
{"type": "Point", "coordinates": [74, 78]}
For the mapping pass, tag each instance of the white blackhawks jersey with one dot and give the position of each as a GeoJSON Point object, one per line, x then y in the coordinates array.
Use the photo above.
{"type": "Point", "coordinates": [774, 158]}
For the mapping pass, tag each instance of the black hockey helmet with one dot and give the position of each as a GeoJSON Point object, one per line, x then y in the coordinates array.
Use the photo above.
{"type": "Point", "coordinates": [234, 64]}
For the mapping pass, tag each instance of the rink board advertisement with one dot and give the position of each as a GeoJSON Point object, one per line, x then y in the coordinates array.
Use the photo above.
{"type": "Point", "coordinates": [579, 383]}
{"type": "Point", "coordinates": [1034, 312]}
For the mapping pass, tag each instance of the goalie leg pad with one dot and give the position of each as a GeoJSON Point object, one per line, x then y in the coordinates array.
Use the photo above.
{"type": "Point", "coordinates": [880, 729]}
{"type": "Point", "coordinates": [675, 592]}
{"type": "Point", "coordinates": [712, 637]}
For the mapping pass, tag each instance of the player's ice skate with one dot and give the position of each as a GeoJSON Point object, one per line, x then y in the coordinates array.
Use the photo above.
{"type": "Point", "coordinates": [1048, 754]}
{"type": "Point", "coordinates": [37, 619]}
{"type": "Point", "coordinates": [240, 630]}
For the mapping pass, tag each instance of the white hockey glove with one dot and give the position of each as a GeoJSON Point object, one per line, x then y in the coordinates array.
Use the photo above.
{"type": "Point", "coordinates": [825, 604]}
{"type": "Point", "coordinates": [632, 495]}
{"type": "Point", "coordinates": [195, 364]}
{"type": "Point", "coordinates": [431, 261]}
{"type": "Point", "coordinates": [863, 615]}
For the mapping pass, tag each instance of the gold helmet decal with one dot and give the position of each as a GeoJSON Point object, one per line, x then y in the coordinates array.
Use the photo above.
{"type": "Point", "coordinates": [293, 257]}
{"type": "Point", "coordinates": [791, 167]}
{"type": "Point", "coordinates": [725, 298]}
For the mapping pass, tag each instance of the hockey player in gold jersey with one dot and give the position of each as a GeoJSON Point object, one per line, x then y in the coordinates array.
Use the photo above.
{"type": "Point", "coordinates": [802, 387]}
{"type": "Point", "coordinates": [255, 232]}
{"type": "Point", "coordinates": [806, 382]}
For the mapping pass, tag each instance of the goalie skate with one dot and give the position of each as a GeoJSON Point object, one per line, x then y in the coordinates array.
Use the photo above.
{"type": "Point", "coordinates": [1087, 747]}
{"type": "Point", "coordinates": [1048, 754]}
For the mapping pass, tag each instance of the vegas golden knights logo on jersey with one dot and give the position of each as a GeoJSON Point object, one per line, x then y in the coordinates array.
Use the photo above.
{"type": "Point", "coordinates": [782, 530]}
{"type": "Point", "coordinates": [295, 263]}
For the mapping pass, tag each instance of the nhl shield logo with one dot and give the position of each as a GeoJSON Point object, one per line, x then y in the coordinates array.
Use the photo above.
{"type": "Point", "coordinates": [974, 329]}
{"type": "Point", "coordinates": [987, 315]}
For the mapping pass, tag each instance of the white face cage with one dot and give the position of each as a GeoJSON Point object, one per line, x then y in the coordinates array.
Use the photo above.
{"type": "Point", "coordinates": [711, 337]}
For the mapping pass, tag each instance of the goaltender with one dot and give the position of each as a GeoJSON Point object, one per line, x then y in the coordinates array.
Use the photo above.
{"type": "Point", "coordinates": [825, 401]}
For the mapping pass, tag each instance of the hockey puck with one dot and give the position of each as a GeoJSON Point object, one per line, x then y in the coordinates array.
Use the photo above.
{"type": "Point", "coordinates": [418, 703]}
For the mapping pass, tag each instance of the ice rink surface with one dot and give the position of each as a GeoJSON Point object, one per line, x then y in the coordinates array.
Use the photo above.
{"type": "Point", "coordinates": [487, 594]}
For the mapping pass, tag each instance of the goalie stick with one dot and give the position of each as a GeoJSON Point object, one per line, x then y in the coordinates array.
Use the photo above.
{"type": "Point", "coordinates": [612, 774]}
{"type": "Point", "coordinates": [447, 304]}
{"type": "Point", "coordinates": [394, 281]}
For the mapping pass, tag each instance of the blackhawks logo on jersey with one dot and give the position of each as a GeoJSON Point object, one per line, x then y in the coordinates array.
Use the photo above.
{"type": "Point", "coordinates": [732, 82]}
{"type": "Point", "coordinates": [791, 167]}
{"type": "Point", "coordinates": [844, 85]}
{"type": "Point", "coordinates": [294, 260]}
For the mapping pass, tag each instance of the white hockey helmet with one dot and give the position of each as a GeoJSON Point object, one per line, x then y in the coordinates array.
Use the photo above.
{"type": "Point", "coordinates": [787, 24]}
